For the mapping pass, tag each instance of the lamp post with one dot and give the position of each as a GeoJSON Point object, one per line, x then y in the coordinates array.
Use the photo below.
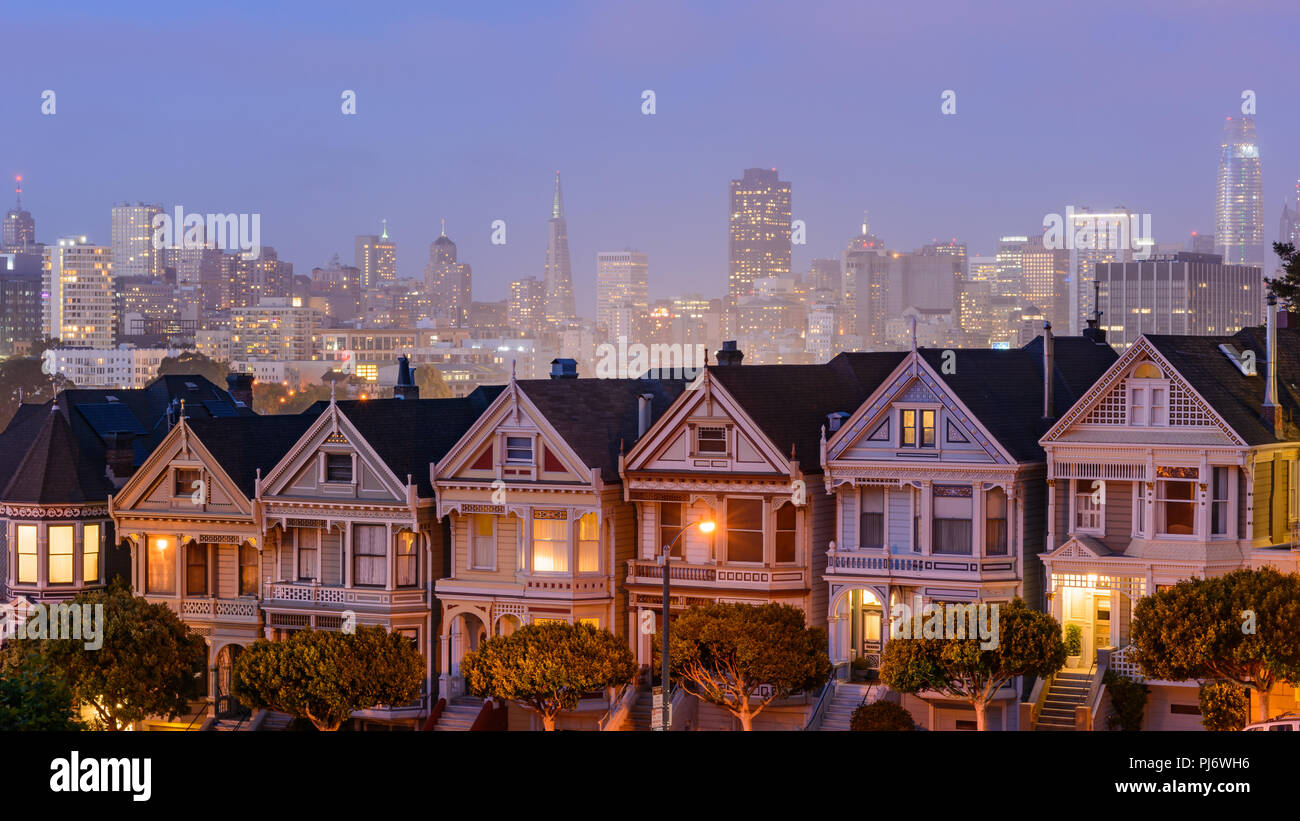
{"type": "Point", "coordinates": [705, 526]}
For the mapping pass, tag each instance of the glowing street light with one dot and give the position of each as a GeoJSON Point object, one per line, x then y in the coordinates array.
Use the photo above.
{"type": "Point", "coordinates": [706, 526]}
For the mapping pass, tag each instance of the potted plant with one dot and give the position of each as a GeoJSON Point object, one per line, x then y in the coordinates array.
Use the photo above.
{"type": "Point", "coordinates": [862, 670]}
{"type": "Point", "coordinates": [1073, 644]}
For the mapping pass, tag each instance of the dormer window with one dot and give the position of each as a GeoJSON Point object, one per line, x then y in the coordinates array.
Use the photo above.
{"type": "Point", "coordinates": [711, 440]}
{"type": "Point", "coordinates": [187, 481]}
{"type": "Point", "coordinates": [338, 467]}
{"type": "Point", "coordinates": [519, 450]}
{"type": "Point", "coordinates": [916, 428]}
{"type": "Point", "coordinates": [1148, 397]}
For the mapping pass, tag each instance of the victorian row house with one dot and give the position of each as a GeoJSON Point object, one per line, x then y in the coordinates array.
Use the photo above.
{"type": "Point", "coordinates": [1180, 462]}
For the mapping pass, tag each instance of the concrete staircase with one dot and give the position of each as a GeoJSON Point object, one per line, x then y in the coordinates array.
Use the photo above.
{"type": "Point", "coordinates": [276, 722]}
{"type": "Point", "coordinates": [638, 715]}
{"type": "Point", "coordinates": [230, 725]}
{"type": "Point", "coordinates": [459, 714]}
{"type": "Point", "coordinates": [847, 698]}
{"type": "Point", "coordinates": [1069, 690]}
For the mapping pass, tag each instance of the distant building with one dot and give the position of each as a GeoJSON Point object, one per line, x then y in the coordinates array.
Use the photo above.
{"type": "Point", "coordinates": [622, 293]}
{"type": "Point", "coordinates": [20, 300]}
{"type": "Point", "coordinates": [1201, 243]}
{"type": "Point", "coordinates": [1239, 203]}
{"type": "Point", "coordinates": [376, 258]}
{"type": "Point", "coordinates": [276, 328]}
{"type": "Point", "coordinates": [558, 272]}
{"type": "Point", "coordinates": [19, 230]}
{"type": "Point", "coordinates": [759, 231]}
{"type": "Point", "coordinates": [134, 254]}
{"type": "Point", "coordinates": [266, 277]}
{"type": "Point", "coordinates": [448, 281]}
{"type": "Point", "coordinates": [1189, 294]}
{"type": "Point", "coordinates": [1045, 280]}
{"type": "Point", "coordinates": [341, 286]}
{"type": "Point", "coordinates": [526, 305]}
{"type": "Point", "coordinates": [79, 282]}
{"type": "Point", "coordinates": [120, 367]}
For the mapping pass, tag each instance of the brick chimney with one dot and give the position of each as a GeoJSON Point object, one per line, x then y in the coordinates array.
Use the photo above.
{"type": "Point", "coordinates": [1094, 332]}
{"type": "Point", "coordinates": [730, 354]}
{"type": "Point", "coordinates": [405, 387]}
{"type": "Point", "coordinates": [240, 386]}
{"type": "Point", "coordinates": [119, 453]}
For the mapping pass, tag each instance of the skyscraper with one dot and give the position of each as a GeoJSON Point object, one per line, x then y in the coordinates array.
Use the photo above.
{"type": "Point", "coordinates": [376, 258]}
{"type": "Point", "coordinates": [1289, 228]}
{"type": "Point", "coordinates": [19, 231]}
{"type": "Point", "coordinates": [622, 293]}
{"type": "Point", "coordinates": [1239, 207]}
{"type": "Point", "coordinates": [447, 280]}
{"type": "Point", "coordinates": [760, 231]}
{"type": "Point", "coordinates": [1099, 236]}
{"type": "Point", "coordinates": [558, 274]}
{"type": "Point", "coordinates": [133, 251]}
{"type": "Point", "coordinates": [79, 281]}
{"type": "Point", "coordinates": [525, 305]}
{"type": "Point", "coordinates": [1045, 280]}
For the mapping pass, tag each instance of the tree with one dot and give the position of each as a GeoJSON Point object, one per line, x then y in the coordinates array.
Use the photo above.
{"type": "Point", "coordinates": [430, 383]}
{"type": "Point", "coordinates": [325, 676]}
{"type": "Point", "coordinates": [548, 667]}
{"type": "Point", "coordinates": [1028, 644]}
{"type": "Point", "coordinates": [1224, 706]}
{"type": "Point", "coordinates": [1286, 287]}
{"type": "Point", "coordinates": [193, 362]}
{"type": "Point", "coordinates": [144, 666]}
{"type": "Point", "coordinates": [1128, 700]}
{"type": "Point", "coordinates": [881, 716]}
{"type": "Point", "coordinates": [26, 378]}
{"type": "Point", "coordinates": [1240, 627]}
{"type": "Point", "coordinates": [272, 397]}
{"type": "Point", "coordinates": [35, 698]}
{"type": "Point", "coordinates": [727, 654]}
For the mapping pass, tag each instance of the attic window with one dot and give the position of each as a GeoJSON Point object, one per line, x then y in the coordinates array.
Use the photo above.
{"type": "Point", "coordinates": [712, 440]}
{"type": "Point", "coordinates": [338, 467]}
{"type": "Point", "coordinates": [519, 450]}
{"type": "Point", "coordinates": [1243, 360]}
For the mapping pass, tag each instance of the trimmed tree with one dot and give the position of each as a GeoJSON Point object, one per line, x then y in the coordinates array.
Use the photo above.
{"type": "Point", "coordinates": [33, 698]}
{"type": "Point", "coordinates": [144, 667]}
{"type": "Point", "coordinates": [1224, 705]}
{"type": "Point", "coordinates": [548, 667]}
{"type": "Point", "coordinates": [881, 716]}
{"type": "Point", "coordinates": [724, 653]}
{"type": "Point", "coordinates": [325, 676]}
{"type": "Point", "coordinates": [1028, 644]}
{"type": "Point", "coordinates": [193, 362]}
{"type": "Point", "coordinates": [1240, 627]}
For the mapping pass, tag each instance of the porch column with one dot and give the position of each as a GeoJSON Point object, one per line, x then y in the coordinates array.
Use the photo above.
{"type": "Point", "coordinates": [979, 521]}
{"type": "Point", "coordinates": [1051, 514]}
{"type": "Point", "coordinates": [927, 507]}
{"type": "Point", "coordinates": [347, 554]}
{"type": "Point", "coordinates": [390, 558]}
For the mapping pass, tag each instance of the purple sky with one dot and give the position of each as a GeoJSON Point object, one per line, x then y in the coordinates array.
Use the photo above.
{"type": "Point", "coordinates": [467, 112]}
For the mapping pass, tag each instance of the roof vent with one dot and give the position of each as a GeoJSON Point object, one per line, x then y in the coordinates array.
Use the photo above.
{"type": "Point", "coordinates": [835, 420]}
{"type": "Point", "coordinates": [564, 369]}
{"type": "Point", "coordinates": [110, 399]}
{"type": "Point", "coordinates": [1244, 360]}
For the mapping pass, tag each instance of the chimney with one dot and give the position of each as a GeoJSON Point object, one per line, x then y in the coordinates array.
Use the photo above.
{"type": "Point", "coordinates": [564, 369]}
{"type": "Point", "coordinates": [119, 453]}
{"type": "Point", "coordinates": [835, 420]}
{"type": "Point", "coordinates": [1094, 333]}
{"type": "Point", "coordinates": [1270, 413]}
{"type": "Point", "coordinates": [643, 413]}
{"type": "Point", "coordinates": [730, 354]}
{"type": "Point", "coordinates": [1049, 370]}
{"type": "Point", "coordinates": [240, 386]}
{"type": "Point", "coordinates": [405, 387]}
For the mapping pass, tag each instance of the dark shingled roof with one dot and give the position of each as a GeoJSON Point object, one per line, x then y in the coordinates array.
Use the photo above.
{"type": "Point", "coordinates": [597, 416]}
{"type": "Point", "coordinates": [1238, 398]}
{"type": "Point", "coordinates": [790, 402]}
{"type": "Point", "coordinates": [243, 444]}
{"type": "Point", "coordinates": [1004, 388]}
{"type": "Point", "coordinates": [55, 469]}
{"type": "Point", "coordinates": [410, 434]}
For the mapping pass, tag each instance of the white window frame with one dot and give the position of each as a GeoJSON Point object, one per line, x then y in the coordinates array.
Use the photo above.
{"type": "Point", "coordinates": [474, 537]}
{"type": "Point", "coordinates": [725, 453]}
{"type": "Point", "coordinates": [1154, 416]}
{"type": "Point", "coordinates": [1084, 489]}
{"type": "Point", "coordinates": [1195, 534]}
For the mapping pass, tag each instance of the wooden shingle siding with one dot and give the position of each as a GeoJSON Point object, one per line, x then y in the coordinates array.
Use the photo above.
{"type": "Point", "coordinates": [820, 527]}
{"type": "Point", "coordinates": [1119, 516]}
{"type": "Point", "coordinates": [331, 557]}
{"type": "Point", "coordinates": [1032, 511]}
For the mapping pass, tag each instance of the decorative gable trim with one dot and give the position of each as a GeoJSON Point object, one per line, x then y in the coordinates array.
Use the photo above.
{"type": "Point", "coordinates": [341, 432]}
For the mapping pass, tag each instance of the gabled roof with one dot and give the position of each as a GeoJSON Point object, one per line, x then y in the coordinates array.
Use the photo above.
{"type": "Point", "coordinates": [1237, 398]}
{"type": "Point", "coordinates": [597, 416]}
{"type": "Point", "coordinates": [1004, 388]}
{"type": "Point", "coordinates": [243, 444]}
{"type": "Point", "coordinates": [54, 469]}
{"type": "Point", "coordinates": [411, 434]}
{"type": "Point", "coordinates": [790, 402]}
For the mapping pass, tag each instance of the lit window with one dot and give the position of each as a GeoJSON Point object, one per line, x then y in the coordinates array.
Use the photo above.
{"type": "Point", "coordinates": [588, 544]}
{"type": "Point", "coordinates": [550, 546]}
{"type": "Point", "coordinates": [247, 570]}
{"type": "Point", "coordinates": [27, 555]}
{"type": "Point", "coordinates": [408, 560]}
{"type": "Point", "coordinates": [62, 539]}
{"type": "Point", "coordinates": [196, 570]}
{"type": "Point", "coordinates": [483, 555]}
{"type": "Point", "coordinates": [745, 530]}
{"type": "Point", "coordinates": [90, 553]}
{"type": "Point", "coordinates": [917, 428]}
{"type": "Point", "coordinates": [160, 566]}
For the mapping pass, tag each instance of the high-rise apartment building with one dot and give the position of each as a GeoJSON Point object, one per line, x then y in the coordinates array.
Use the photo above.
{"type": "Point", "coordinates": [266, 277]}
{"type": "Point", "coordinates": [447, 280]}
{"type": "Point", "coordinates": [1239, 200]}
{"type": "Point", "coordinates": [759, 245]}
{"type": "Point", "coordinates": [525, 305]}
{"type": "Point", "coordinates": [19, 230]}
{"type": "Point", "coordinates": [277, 328]}
{"type": "Point", "coordinates": [79, 280]}
{"type": "Point", "coordinates": [558, 273]}
{"type": "Point", "coordinates": [1194, 294]}
{"type": "Point", "coordinates": [622, 293]}
{"type": "Point", "coordinates": [134, 254]}
{"type": "Point", "coordinates": [1010, 269]}
{"type": "Point", "coordinates": [376, 258]}
{"type": "Point", "coordinates": [1099, 236]}
{"type": "Point", "coordinates": [1045, 280]}
{"type": "Point", "coordinates": [20, 300]}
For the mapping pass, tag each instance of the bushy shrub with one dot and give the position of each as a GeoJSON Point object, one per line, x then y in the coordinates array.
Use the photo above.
{"type": "Point", "coordinates": [1128, 700]}
{"type": "Point", "coordinates": [881, 716]}
{"type": "Point", "coordinates": [1224, 705]}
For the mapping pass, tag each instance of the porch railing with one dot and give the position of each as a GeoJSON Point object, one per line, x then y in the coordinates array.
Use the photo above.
{"type": "Point", "coordinates": [309, 593]}
{"type": "Point", "coordinates": [1123, 665]}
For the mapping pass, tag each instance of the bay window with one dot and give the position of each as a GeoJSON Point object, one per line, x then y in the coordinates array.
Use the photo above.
{"type": "Point", "coordinates": [1176, 507]}
{"type": "Point", "coordinates": [872, 518]}
{"type": "Point", "coordinates": [62, 539]}
{"type": "Point", "coordinates": [27, 554]}
{"type": "Point", "coordinates": [90, 553]}
{"type": "Point", "coordinates": [588, 544]}
{"type": "Point", "coordinates": [550, 544]}
{"type": "Point", "coordinates": [160, 566]}
{"type": "Point", "coordinates": [670, 524]}
{"type": "Point", "coordinates": [369, 554]}
{"type": "Point", "coordinates": [745, 530]}
{"type": "Point", "coordinates": [1219, 509]}
{"type": "Point", "coordinates": [952, 520]}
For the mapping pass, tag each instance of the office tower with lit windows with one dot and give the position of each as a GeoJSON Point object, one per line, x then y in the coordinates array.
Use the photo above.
{"type": "Point", "coordinates": [622, 293]}
{"type": "Point", "coordinates": [1186, 293]}
{"type": "Point", "coordinates": [863, 249]}
{"type": "Point", "coordinates": [78, 277]}
{"type": "Point", "coordinates": [341, 286]}
{"type": "Point", "coordinates": [825, 275]}
{"type": "Point", "coordinates": [376, 258]}
{"type": "Point", "coordinates": [266, 277]}
{"type": "Point", "coordinates": [1239, 199]}
{"type": "Point", "coordinates": [759, 244]}
{"type": "Point", "coordinates": [19, 229]}
{"type": "Point", "coordinates": [448, 281]}
{"type": "Point", "coordinates": [134, 254]}
{"type": "Point", "coordinates": [1045, 280]}
{"type": "Point", "coordinates": [525, 305]}
{"type": "Point", "coordinates": [951, 248]}
{"type": "Point", "coordinates": [1009, 259]}
{"type": "Point", "coordinates": [1097, 237]}
{"type": "Point", "coordinates": [1289, 227]}
{"type": "Point", "coordinates": [275, 329]}
{"type": "Point", "coordinates": [20, 301]}
{"type": "Point", "coordinates": [558, 272]}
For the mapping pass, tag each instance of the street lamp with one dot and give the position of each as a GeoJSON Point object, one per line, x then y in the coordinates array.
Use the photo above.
{"type": "Point", "coordinates": [706, 526]}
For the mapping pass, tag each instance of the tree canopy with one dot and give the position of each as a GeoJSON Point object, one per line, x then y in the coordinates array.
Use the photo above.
{"type": "Point", "coordinates": [35, 698]}
{"type": "Point", "coordinates": [1286, 287]}
{"type": "Point", "coordinates": [430, 383]}
{"type": "Point", "coordinates": [326, 676]}
{"type": "Point", "coordinates": [743, 657]}
{"type": "Point", "coordinates": [1028, 644]}
{"type": "Point", "coordinates": [193, 362]}
{"type": "Point", "coordinates": [548, 667]}
{"type": "Point", "coordinates": [24, 377]}
{"type": "Point", "coordinates": [1240, 627]}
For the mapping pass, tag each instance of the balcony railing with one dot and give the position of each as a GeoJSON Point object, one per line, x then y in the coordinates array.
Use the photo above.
{"type": "Point", "coordinates": [878, 562]}
{"type": "Point", "coordinates": [722, 575]}
{"type": "Point", "coordinates": [235, 610]}
{"type": "Point", "coordinates": [291, 593]}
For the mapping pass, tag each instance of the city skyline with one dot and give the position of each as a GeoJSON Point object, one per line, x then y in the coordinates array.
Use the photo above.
{"type": "Point", "coordinates": [975, 175]}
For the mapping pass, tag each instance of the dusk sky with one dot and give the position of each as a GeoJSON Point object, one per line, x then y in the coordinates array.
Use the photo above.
{"type": "Point", "coordinates": [466, 110]}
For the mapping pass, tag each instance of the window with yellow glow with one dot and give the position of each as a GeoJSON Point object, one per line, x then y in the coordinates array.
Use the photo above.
{"type": "Point", "coordinates": [27, 554]}
{"type": "Point", "coordinates": [90, 553]}
{"type": "Point", "coordinates": [588, 544]}
{"type": "Point", "coordinates": [594, 623]}
{"type": "Point", "coordinates": [550, 546]}
{"type": "Point", "coordinates": [160, 565]}
{"type": "Point", "coordinates": [483, 551]}
{"type": "Point", "coordinates": [62, 546]}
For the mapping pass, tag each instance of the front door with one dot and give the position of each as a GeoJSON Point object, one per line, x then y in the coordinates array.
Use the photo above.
{"type": "Point", "coordinates": [227, 705]}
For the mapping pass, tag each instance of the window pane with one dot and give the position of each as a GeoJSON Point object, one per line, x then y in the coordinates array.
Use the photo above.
{"type": "Point", "coordinates": [1175, 508]}
{"type": "Point", "coordinates": [247, 570]}
{"type": "Point", "coordinates": [785, 530]}
{"type": "Point", "coordinates": [62, 541]}
{"type": "Point", "coordinates": [196, 570]}
{"type": "Point", "coordinates": [670, 524]}
{"type": "Point", "coordinates": [712, 440]}
{"type": "Point", "coordinates": [408, 561]}
{"type": "Point", "coordinates": [308, 544]}
{"type": "Point", "coordinates": [160, 567]}
{"type": "Point", "coordinates": [369, 554]}
{"type": "Point", "coordinates": [519, 449]}
{"type": "Point", "coordinates": [483, 535]}
{"type": "Point", "coordinates": [338, 467]}
{"type": "Point", "coordinates": [90, 553]}
{"type": "Point", "coordinates": [27, 554]}
{"type": "Point", "coordinates": [588, 544]}
{"type": "Point", "coordinates": [927, 429]}
{"type": "Point", "coordinates": [744, 530]}
{"type": "Point", "coordinates": [908, 428]}
{"type": "Point", "coordinates": [745, 514]}
{"type": "Point", "coordinates": [550, 546]}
